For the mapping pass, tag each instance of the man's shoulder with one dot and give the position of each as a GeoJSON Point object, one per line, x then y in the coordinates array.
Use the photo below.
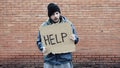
{"type": "Point", "coordinates": [66, 20]}
{"type": "Point", "coordinates": [44, 24]}
{"type": "Point", "coordinates": [69, 22]}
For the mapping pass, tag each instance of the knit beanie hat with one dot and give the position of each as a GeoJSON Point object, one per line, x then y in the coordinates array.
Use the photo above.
{"type": "Point", "coordinates": [52, 8]}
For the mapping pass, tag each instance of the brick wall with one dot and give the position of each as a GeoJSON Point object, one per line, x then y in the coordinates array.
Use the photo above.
{"type": "Point", "coordinates": [97, 23]}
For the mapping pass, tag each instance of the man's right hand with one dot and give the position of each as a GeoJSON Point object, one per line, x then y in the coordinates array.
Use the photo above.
{"type": "Point", "coordinates": [44, 50]}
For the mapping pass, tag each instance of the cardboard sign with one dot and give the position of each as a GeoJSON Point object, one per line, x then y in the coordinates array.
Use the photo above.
{"type": "Point", "coordinates": [56, 38]}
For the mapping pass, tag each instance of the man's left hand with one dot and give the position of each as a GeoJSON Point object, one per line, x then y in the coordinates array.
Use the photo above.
{"type": "Point", "coordinates": [72, 37]}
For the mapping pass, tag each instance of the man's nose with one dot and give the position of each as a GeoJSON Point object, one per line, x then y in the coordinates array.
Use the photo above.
{"type": "Point", "coordinates": [55, 15]}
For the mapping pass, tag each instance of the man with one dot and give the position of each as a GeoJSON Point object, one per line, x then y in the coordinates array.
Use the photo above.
{"type": "Point", "coordinates": [62, 60]}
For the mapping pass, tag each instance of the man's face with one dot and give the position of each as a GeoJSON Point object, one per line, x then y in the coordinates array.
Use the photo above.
{"type": "Point", "coordinates": [55, 17]}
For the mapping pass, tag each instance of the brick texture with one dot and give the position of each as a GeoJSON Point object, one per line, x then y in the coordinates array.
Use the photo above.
{"type": "Point", "coordinates": [97, 23]}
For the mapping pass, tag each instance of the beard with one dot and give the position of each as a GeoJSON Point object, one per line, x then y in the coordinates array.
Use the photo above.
{"type": "Point", "coordinates": [55, 20]}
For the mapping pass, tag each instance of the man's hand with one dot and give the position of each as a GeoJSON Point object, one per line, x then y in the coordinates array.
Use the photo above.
{"type": "Point", "coordinates": [72, 37]}
{"type": "Point", "coordinates": [44, 50]}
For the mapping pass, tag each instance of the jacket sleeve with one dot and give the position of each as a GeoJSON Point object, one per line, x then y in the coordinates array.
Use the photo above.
{"type": "Point", "coordinates": [39, 43]}
{"type": "Point", "coordinates": [75, 34]}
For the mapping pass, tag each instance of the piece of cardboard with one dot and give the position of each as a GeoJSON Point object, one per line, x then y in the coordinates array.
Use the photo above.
{"type": "Point", "coordinates": [56, 38]}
